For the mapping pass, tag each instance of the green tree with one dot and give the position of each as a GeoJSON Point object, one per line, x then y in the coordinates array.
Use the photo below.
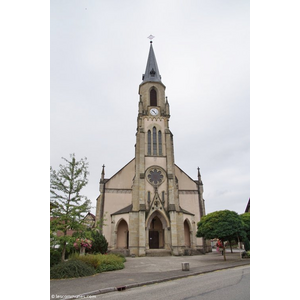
{"type": "Point", "coordinates": [100, 243]}
{"type": "Point", "coordinates": [224, 225]}
{"type": "Point", "coordinates": [246, 220]}
{"type": "Point", "coordinates": [68, 205]}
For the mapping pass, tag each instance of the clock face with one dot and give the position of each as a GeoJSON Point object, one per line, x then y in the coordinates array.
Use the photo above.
{"type": "Point", "coordinates": [154, 111]}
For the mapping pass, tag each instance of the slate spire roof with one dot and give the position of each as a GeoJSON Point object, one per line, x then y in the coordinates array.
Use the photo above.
{"type": "Point", "coordinates": [152, 72]}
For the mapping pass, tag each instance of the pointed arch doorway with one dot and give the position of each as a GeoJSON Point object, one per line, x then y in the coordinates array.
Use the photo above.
{"type": "Point", "coordinates": [122, 235]}
{"type": "Point", "coordinates": [187, 235]}
{"type": "Point", "coordinates": [156, 234]}
{"type": "Point", "coordinates": [157, 231]}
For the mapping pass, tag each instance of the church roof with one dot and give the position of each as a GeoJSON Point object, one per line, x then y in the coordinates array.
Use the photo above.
{"type": "Point", "coordinates": [185, 211]}
{"type": "Point", "coordinates": [124, 210]}
{"type": "Point", "coordinates": [152, 72]}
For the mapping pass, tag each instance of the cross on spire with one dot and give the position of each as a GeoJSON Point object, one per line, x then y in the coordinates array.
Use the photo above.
{"type": "Point", "coordinates": [151, 37]}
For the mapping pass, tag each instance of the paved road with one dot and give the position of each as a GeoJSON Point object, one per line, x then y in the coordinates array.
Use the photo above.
{"type": "Point", "coordinates": [230, 284]}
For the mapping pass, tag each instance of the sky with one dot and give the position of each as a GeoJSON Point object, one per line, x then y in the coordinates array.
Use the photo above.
{"type": "Point", "coordinates": [98, 53]}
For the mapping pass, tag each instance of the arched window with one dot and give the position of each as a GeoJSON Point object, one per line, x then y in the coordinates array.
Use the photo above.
{"type": "Point", "coordinates": [153, 98]}
{"type": "Point", "coordinates": [154, 141]}
{"type": "Point", "coordinates": [159, 143]}
{"type": "Point", "coordinates": [149, 142]}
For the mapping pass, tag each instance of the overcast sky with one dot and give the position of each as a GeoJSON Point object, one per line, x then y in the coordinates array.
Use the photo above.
{"type": "Point", "coordinates": [99, 51]}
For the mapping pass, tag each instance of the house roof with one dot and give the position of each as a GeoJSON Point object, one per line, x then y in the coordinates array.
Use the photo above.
{"type": "Point", "coordinates": [248, 206]}
{"type": "Point", "coordinates": [90, 214]}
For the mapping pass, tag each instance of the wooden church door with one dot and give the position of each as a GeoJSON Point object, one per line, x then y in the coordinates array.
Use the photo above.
{"type": "Point", "coordinates": [153, 239]}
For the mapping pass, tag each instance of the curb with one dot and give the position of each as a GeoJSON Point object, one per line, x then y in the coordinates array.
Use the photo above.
{"type": "Point", "coordinates": [138, 284]}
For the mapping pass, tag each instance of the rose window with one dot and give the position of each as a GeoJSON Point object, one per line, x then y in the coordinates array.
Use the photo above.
{"type": "Point", "coordinates": [155, 177]}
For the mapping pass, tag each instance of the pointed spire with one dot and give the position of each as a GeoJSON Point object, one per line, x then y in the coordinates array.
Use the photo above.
{"type": "Point", "coordinates": [152, 72]}
{"type": "Point", "coordinates": [102, 174]}
{"type": "Point", "coordinates": [199, 176]}
{"type": "Point", "coordinates": [140, 105]}
{"type": "Point", "coordinates": [167, 107]}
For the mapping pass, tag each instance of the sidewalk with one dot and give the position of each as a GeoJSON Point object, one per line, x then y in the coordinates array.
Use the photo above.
{"type": "Point", "coordinates": [140, 271]}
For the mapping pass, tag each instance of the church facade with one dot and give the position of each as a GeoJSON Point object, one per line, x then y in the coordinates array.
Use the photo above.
{"type": "Point", "coordinates": [151, 205]}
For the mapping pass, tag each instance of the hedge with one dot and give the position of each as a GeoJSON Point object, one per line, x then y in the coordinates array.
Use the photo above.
{"type": "Point", "coordinates": [71, 269]}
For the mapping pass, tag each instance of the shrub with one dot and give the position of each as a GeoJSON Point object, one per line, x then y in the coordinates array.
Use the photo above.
{"type": "Point", "coordinates": [100, 243]}
{"type": "Point", "coordinates": [55, 257]}
{"type": "Point", "coordinates": [89, 259]}
{"type": "Point", "coordinates": [82, 242]}
{"type": "Point", "coordinates": [121, 256]}
{"type": "Point", "coordinates": [71, 269]}
{"type": "Point", "coordinates": [100, 262]}
{"type": "Point", "coordinates": [246, 254]}
{"type": "Point", "coordinates": [110, 262]}
{"type": "Point", "coordinates": [247, 244]}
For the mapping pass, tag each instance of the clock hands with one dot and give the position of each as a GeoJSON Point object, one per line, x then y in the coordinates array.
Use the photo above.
{"type": "Point", "coordinates": [153, 111]}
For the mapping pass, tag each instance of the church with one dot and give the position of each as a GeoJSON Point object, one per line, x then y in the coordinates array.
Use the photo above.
{"type": "Point", "coordinates": [151, 206]}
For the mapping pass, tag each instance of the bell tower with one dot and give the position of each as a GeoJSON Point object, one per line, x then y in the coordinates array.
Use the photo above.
{"type": "Point", "coordinates": [154, 180]}
{"type": "Point", "coordinates": [151, 206]}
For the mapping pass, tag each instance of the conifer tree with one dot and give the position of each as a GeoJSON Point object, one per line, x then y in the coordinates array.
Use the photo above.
{"type": "Point", "coordinates": [68, 205]}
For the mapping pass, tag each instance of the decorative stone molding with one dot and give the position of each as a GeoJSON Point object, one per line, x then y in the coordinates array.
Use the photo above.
{"type": "Point", "coordinates": [170, 176]}
{"type": "Point", "coordinates": [119, 191]}
{"type": "Point", "coordinates": [172, 207]}
{"type": "Point", "coordinates": [188, 192]}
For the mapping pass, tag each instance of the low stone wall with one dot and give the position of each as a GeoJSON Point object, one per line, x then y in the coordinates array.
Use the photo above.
{"type": "Point", "coordinates": [124, 252]}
